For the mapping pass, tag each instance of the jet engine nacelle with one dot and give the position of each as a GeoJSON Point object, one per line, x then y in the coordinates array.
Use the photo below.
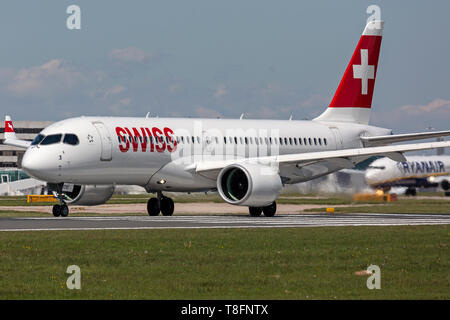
{"type": "Point", "coordinates": [88, 195]}
{"type": "Point", "coordinates": [252, 185]}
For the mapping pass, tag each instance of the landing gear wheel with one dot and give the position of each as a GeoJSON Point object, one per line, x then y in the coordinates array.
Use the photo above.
{"type": "Point", "coordinates": [270, 210]}
{"type": "Point", "coordinates": [153, 207]}
{"type": "Point", "coordinates": [64, 210]}
{"type": "Point", "coordinates": [167, 206]}
{"type": "Point", "coordinates": [56, 210]}
{"type": "Point", "coordinates": [255, 211]}
{"type": "Point", "coordinates": [410, 192]}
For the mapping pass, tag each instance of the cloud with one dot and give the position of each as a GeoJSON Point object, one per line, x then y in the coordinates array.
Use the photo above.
{"type": "Point", "coordinates": [433, 114]}
{"type": "Point", "coordinates": [316, 101]}
{"type": "Point", "coordinates": [207, 113]}
{"type": "Point", "coordinates": [119, 108]}
{"type": "Point", "coordinates": [437, 105]}
{"type": "Point", "coordinates": [39, 81]}
{"type": "Point", "coordinates": [114, 91]}
{"type": "Point", "coordinates": [220, 90]}
{"type": "Point", "coordinates": [130, 54]}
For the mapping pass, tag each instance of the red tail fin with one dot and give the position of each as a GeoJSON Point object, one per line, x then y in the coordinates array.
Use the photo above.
{"type": "Point", "coordinates": [355, 90]}
{"type": "Point", "coordinates": [9, 129]}
{"type": "Point", "coordinates": [8, 124]}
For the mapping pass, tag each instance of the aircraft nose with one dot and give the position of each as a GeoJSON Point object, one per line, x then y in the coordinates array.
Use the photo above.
{"type": "Point", "coordinates": [29, 165]}
{"type": "Point", "coordinates": [35, 165]}
{"type": "Point", "coordinates": [370, 176]}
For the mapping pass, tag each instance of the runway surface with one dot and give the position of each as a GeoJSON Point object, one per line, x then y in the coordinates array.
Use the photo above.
{"type": "Point", "coordinates": [229, 221]}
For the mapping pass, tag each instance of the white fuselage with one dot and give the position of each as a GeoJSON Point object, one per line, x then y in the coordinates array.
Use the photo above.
{"type": "Point", "coordinates": [385, 172]}
{"type": "Point", "coordinates": [148, 151]}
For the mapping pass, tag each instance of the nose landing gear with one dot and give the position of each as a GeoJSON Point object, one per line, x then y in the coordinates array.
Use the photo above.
{"type": "Point", "coordinates": [162, 204]}
{"type": "Point", "coordinates": [60, 209]}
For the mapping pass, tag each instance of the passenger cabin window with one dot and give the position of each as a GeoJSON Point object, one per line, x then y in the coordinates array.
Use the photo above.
{"type": "Point", "coordinates": [51, 139]}
{"type": "Point", "coordinates": [71, 139]}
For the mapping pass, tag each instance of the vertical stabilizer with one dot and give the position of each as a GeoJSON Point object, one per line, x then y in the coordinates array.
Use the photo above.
{"type": "Point", "coordinates": [353, 98]}
{"type": "Point", "coordinates": [9, 129]}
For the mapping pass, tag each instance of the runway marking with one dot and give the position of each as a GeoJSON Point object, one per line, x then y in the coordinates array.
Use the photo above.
{"type": "Point", "coordinates": [208, 222]}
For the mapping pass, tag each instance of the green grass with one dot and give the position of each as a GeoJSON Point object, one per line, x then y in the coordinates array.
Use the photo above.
{"type": "Point", "coordinates": [300, 263]}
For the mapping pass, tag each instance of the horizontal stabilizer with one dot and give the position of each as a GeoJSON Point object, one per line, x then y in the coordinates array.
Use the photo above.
{"type": "Point", "coordinates": [17, 143]}
{"type": "Point", "coordinates": [10, 136]}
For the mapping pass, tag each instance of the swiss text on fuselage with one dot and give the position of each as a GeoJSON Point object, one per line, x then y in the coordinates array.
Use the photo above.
{"type": "Point", "coordinates": [146, 139]}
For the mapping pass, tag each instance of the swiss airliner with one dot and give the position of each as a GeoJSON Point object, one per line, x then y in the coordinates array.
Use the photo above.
{"type": "Point", "coordinates": [246, 161]}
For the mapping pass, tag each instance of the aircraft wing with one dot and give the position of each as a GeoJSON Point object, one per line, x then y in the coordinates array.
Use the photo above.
{"type": "Point", "coordinates": [346, 158]}
{"type": "Point", "coordinates": [384, 140]}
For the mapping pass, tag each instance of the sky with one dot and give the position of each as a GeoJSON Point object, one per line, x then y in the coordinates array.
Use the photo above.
{"type": "Point", "coordinates": [207, 58]}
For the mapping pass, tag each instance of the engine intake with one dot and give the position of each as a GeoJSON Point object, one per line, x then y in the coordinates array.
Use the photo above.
{"type": "Point", "coordinates": [246, 184]}
{"type": "Point", "coordinates": [87, 195]}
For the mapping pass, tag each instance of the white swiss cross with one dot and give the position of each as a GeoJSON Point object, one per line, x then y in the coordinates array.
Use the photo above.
{"type": "Point", "coordinates": [363, 71]}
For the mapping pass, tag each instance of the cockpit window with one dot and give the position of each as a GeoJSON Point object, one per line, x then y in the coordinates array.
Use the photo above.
{"type": "Point", "coordinates": [51, 139]}
{"type": "Point", "coordinates": [71, 139]}
{"type": "Point", "coordinates": [377, 167]}
{"type": "Point", "coordinates": [38, 139]}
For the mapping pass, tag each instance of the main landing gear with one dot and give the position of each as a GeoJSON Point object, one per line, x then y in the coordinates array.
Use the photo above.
{"type": "Point", "coordinates": [161, 204]}
{"type": "Point", "coordinates": [60, 209]}
{"type": "Point", "coordinates": [269, 211]}
{"type": "Point", "coordinates": [165, 206]}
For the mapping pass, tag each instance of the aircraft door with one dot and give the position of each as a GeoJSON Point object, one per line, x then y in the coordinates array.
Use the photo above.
{"type": "Point", "coordinates": [337, 138]}
{"type": "Point", "coordinates": [105, 137]}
